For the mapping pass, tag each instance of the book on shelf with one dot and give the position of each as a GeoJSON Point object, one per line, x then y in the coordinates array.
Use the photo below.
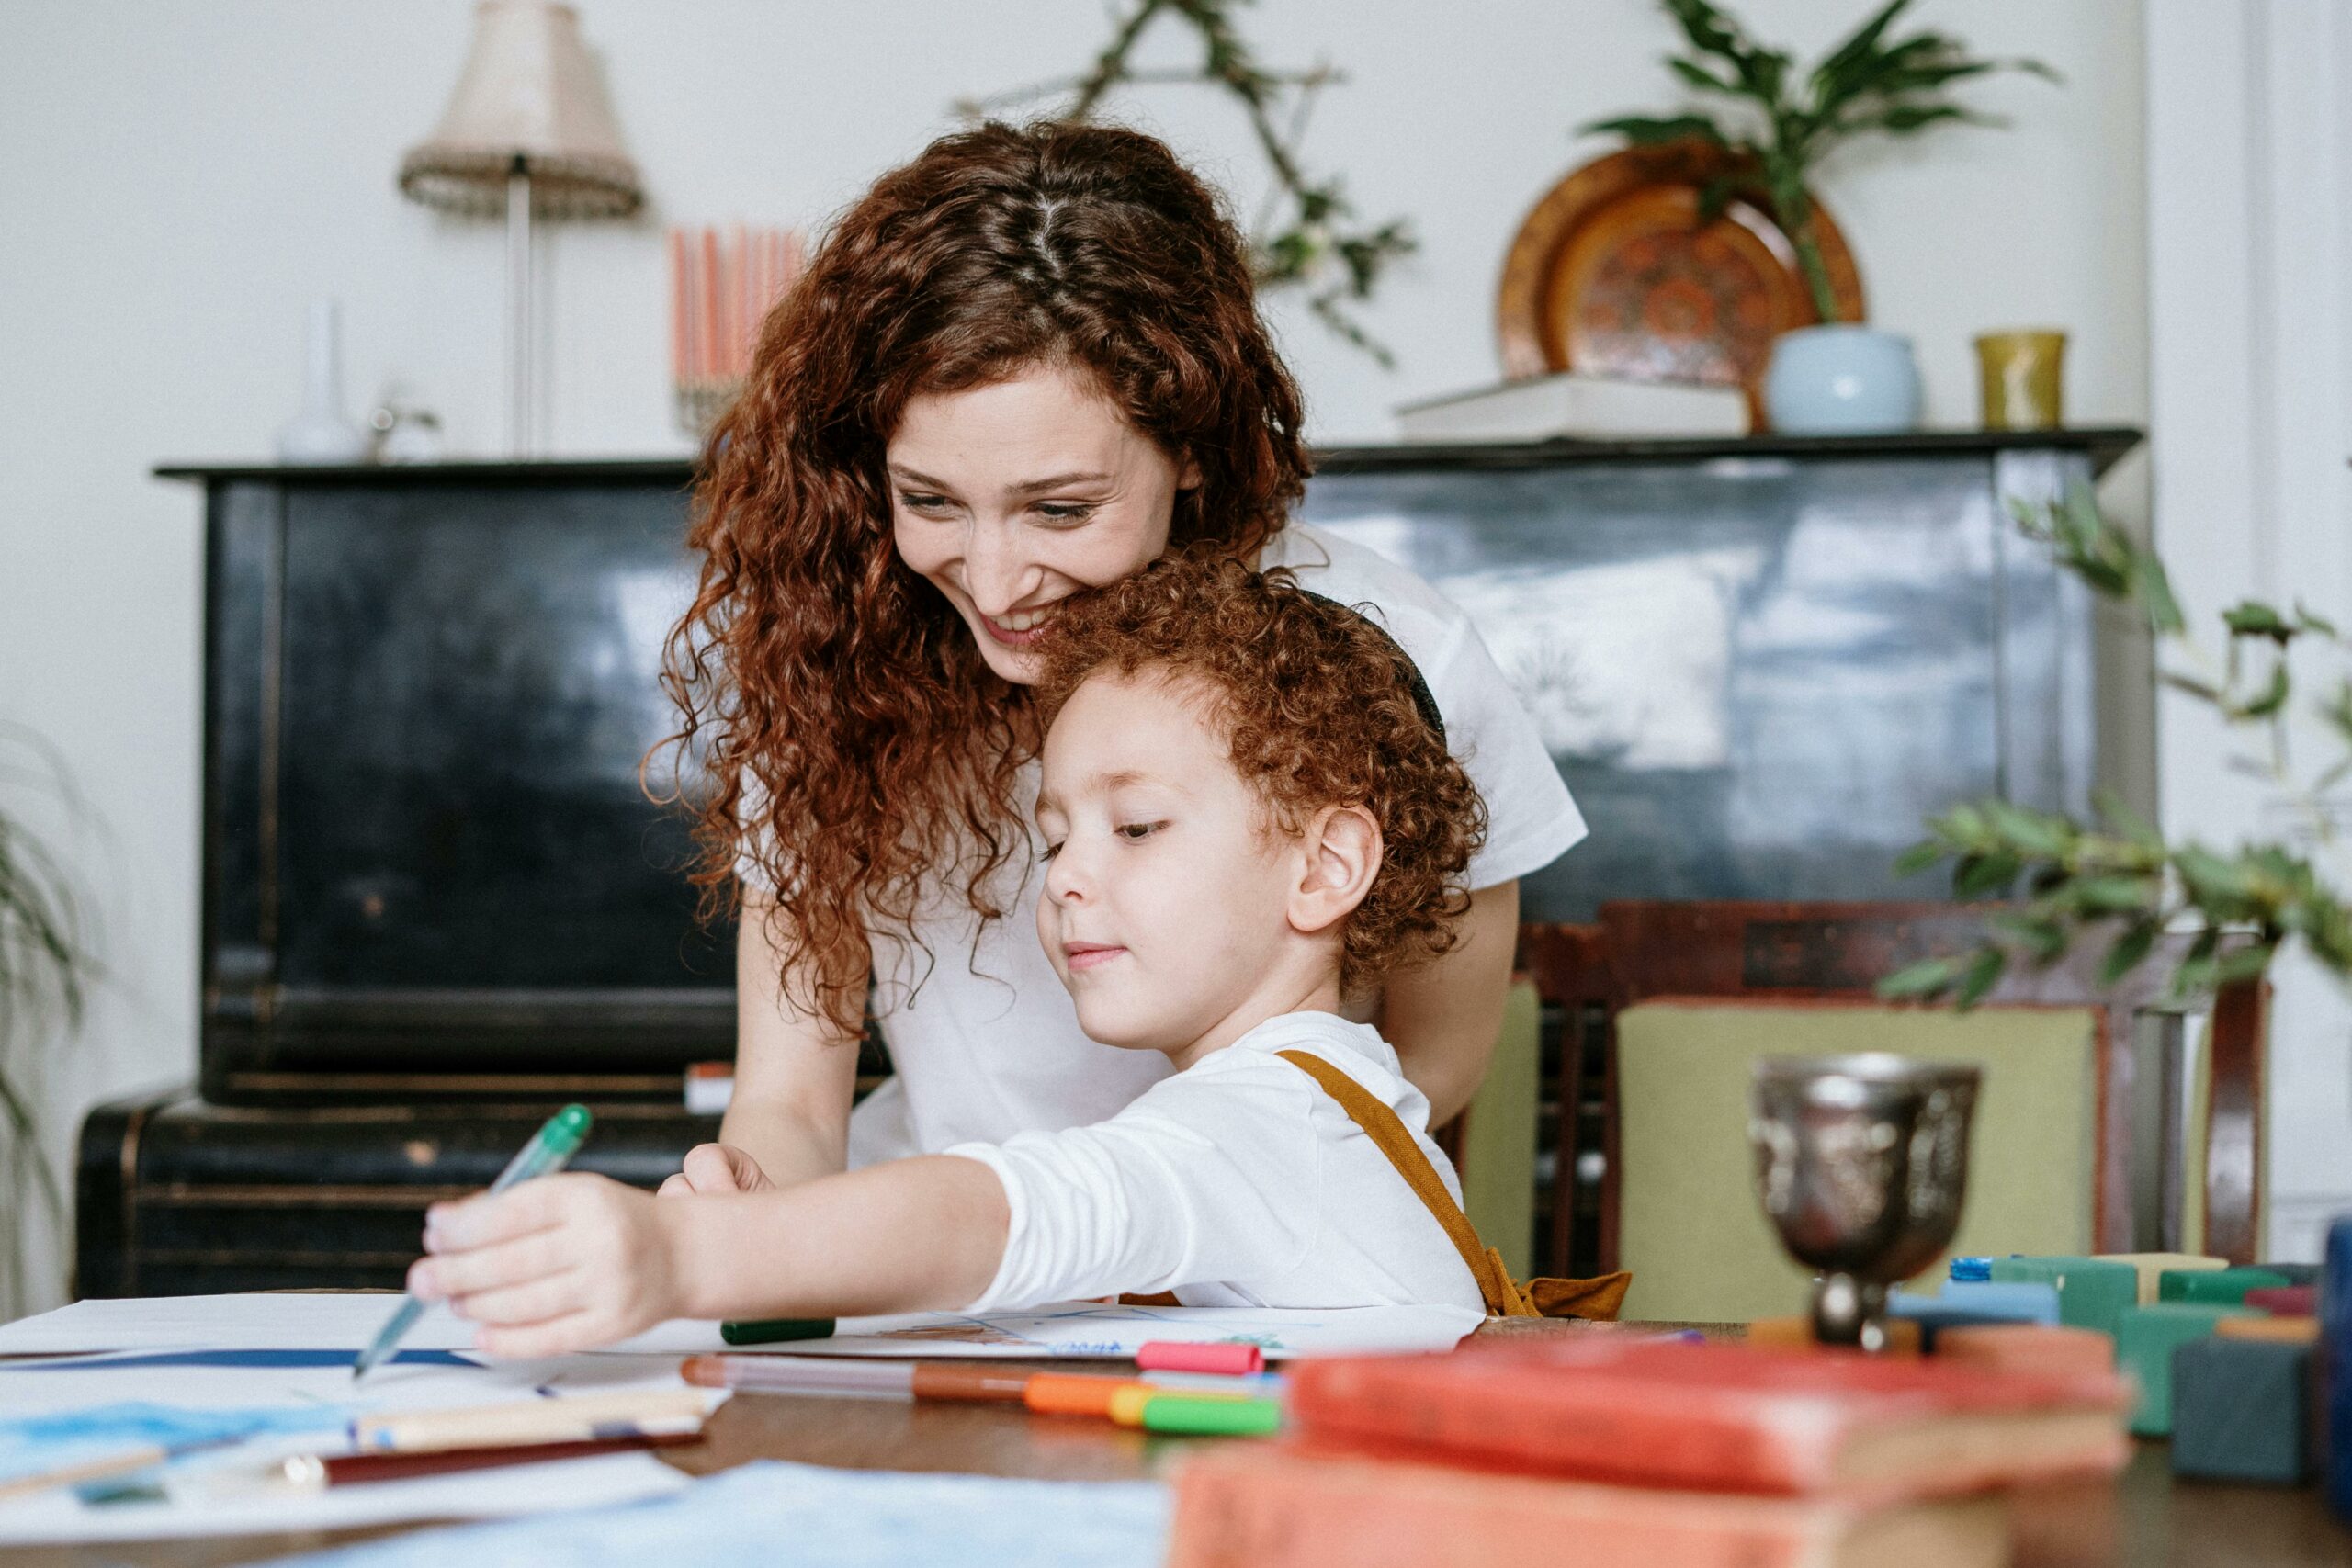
{"type": "Point", "coordinates": [1288, 1506]}
{"type": "Point", "coordinates": [1720, 1417]}
{"type": "Point", "coordinates": [1570, 405]}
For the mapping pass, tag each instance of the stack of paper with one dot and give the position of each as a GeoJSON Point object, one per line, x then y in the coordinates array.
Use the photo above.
{"type": "Point", "coordinates": [252, 1379]}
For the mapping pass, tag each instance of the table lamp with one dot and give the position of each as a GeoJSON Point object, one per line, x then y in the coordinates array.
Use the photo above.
{"type": "Point", "coordinates": [530, 133]}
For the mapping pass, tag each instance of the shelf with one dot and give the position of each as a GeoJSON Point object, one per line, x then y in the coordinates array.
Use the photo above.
{"type": "Point", "coordinates": [2103, 445]}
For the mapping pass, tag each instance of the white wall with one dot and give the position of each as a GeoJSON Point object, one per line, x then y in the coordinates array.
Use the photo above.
{"type": "Point", "coordinates": [2250, 232]}
{"type": "Point", "coordinates": [178, 176]}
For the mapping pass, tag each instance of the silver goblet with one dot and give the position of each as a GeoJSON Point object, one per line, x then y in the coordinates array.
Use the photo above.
{"type": "Point", "coordinates": [1862, 1165]}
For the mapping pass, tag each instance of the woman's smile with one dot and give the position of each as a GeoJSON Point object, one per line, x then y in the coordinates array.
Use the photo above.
{"type": "Point", "coordinates": [1019, 628]}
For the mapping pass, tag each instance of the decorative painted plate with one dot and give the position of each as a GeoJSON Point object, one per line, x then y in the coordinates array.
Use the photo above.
{"type": "Point", "coordinates": [1613, 273]}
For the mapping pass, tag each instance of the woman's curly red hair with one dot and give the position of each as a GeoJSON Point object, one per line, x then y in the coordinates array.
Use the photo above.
{"type": "Point", "coordinates": [1319, 709]}
{"type": "Point", "coordinates": [851, 745]}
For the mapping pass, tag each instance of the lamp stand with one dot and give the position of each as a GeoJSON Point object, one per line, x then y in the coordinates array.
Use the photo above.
{"type": "Point", "coordinates": [519, 391]}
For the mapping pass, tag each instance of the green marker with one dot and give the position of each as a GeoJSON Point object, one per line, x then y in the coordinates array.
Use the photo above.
{"type": "Point", "coordinates": [775, 1330]}
{"type": "Point", "coordinates": [543, 1154]}
{"type": "Point", "coordinates": [1222, 1417]}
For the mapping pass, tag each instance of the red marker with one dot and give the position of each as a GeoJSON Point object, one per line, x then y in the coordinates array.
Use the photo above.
{"type": "Point", "coordinates": [1176, 1355]}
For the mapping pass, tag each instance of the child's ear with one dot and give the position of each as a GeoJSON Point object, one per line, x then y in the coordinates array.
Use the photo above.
{"type": "Point", "coordinates": [1337, 857]}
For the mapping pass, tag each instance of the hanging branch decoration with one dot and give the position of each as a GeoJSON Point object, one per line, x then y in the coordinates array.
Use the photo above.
{"type": "Point", "coordinates": [1784, 125]}
{"type": "Point", "coordinates": [1320, 247]}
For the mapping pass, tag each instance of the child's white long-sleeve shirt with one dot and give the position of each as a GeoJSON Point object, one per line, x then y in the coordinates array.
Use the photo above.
{"type": "Point", "coordinates": [1238, 1182]}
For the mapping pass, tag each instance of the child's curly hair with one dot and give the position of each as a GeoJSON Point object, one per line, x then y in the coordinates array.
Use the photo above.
{"type": "Point", "coordinates": [1320, 706]}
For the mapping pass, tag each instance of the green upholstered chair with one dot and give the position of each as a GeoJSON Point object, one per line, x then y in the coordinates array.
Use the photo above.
{"type": "Point", "coordinates": [1687, 995]}
{"type": "Point", "coordinates": [1496, 1140]}
{"type": "Point", "coordinates": [1688, 1224]}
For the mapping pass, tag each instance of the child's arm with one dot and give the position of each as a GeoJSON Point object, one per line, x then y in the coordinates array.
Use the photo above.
{"type": "Point", "coordinates": [570, 1262]}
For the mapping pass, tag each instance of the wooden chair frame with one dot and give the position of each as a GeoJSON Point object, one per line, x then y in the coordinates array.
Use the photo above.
{"type": "Point", "coordinates": [1637, 950]}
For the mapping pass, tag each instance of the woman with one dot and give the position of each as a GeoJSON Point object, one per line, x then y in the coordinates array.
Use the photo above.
{"type": "Point", "coordinates": [1023, 366]}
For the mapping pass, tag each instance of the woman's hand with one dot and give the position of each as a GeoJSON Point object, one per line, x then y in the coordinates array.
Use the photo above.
{"type": "Point", "coordinates": [716, 1167]}
{"type": "Point", "coordinates": [561, 1264]}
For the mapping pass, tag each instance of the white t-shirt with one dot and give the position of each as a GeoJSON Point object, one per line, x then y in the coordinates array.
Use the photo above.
{"type": "Point", "coordinates": [1236, 1182]}
{"type": "Point", "coordinates": [989, 1045]}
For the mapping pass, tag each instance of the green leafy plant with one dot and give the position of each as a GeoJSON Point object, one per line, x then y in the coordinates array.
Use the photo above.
{"type": "Point", "coordinates": [2116, 878]}
{"type": "Point", "coordinates": [1779, 125]}
{"type": "Point", "coordinates": [46, 971]}
{"type": "Point", "coordinates": [1308, 237]}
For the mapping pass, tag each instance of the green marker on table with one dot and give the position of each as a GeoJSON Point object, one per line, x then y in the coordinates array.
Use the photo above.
{"type": "Point", "coordinates": [1212, 1417]}
{"type": "Point", "coordinates": [775, 1330]}
{"type": "Point", "coordinates": [543, 1156]}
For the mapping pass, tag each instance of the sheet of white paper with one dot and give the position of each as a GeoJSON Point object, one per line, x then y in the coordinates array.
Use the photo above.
{"type": "Point", "coordinates": [603, 1479]}
{"type": "Point", "coordinates": [1078, 1329]}
{"type": "Point", "coordinates": [258, 1320]}
{"type": "Point", "coordinates": [1096, 1331]}
{"type": "Point", "coordinates": [33, 1387]}
{"type": "Point", "coordinates": [812, 1518]}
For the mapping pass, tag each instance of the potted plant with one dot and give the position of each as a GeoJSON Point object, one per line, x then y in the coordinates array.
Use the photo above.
{"type": "Point", "coordinates": [45, 975]}
{"type": "Point", "coordinates": [1777, 126]}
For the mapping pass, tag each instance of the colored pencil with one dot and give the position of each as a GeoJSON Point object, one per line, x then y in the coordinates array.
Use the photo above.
{"type": "Point", "coordinates": [315, 1471]}
{"type": "Point", "coordinates": [569, 1420]}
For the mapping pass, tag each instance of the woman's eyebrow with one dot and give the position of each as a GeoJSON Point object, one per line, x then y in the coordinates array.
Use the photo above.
{"type": "Point", "coordinates": [1056, 481]}
{"type": "Point", "coordinates": [1027, 487]}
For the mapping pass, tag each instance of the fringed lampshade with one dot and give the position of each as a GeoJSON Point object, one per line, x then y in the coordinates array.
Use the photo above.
{"type": "Point", "coordinates": [529, 133]}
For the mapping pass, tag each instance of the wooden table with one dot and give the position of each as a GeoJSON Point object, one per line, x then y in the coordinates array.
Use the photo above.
{"type": "Point", "coordinates": [2147, 1520]}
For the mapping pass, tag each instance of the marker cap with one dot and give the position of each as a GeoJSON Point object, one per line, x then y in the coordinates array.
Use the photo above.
{"type": "Point", "coordinates": [567, 1131]}
{"type": "Point", "coordinates": [1179, 1356]}
{"type": "Point", "coordinates": [775, 1330]}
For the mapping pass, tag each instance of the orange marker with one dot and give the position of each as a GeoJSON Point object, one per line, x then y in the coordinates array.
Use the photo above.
{"type": "Point", "coordinates": [1077, 1394]}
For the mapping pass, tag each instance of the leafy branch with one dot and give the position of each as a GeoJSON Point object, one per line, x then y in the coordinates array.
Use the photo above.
{"type": "Point", "coordinates": [1777, 126]}
{"type": "Point", "coordinates": [1309, 236]}
{"type": "Point", "coordinates": [2117, 876]}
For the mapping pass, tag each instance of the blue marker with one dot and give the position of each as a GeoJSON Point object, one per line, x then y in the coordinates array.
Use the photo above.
{"type": "Point", "coordinates": [543, 1154]}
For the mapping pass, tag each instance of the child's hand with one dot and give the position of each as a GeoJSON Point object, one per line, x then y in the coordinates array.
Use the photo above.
{"type": "Point", "coordinates": [561, 1264]}
{"type": "Point", "coordinates": [716, 1167]}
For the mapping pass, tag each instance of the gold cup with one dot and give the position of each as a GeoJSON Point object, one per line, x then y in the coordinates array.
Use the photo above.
{"type": "Point", "coordinates": [2022, 380]}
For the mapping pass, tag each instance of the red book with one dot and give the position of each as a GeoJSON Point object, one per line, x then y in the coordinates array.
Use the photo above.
{"type": "Point", "coordinates": [1255, 1505]}
{"type": "Point", "coordinates": [1719, 1417]}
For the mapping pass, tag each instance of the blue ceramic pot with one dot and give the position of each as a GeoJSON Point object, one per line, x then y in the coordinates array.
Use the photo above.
{"type": "Point", "coordinates": [1841, 380]}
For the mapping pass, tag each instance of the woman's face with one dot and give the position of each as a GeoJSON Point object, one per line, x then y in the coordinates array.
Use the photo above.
{"type": "Point", "coordinates": [1014, 496]}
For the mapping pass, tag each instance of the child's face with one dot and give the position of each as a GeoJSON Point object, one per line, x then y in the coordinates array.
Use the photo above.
{"type": "Point", "coordinates": [1166, 909]}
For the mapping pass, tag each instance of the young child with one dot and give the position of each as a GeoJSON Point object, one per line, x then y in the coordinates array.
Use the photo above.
{"type": "Point", "coordinates": [1249, 811]}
